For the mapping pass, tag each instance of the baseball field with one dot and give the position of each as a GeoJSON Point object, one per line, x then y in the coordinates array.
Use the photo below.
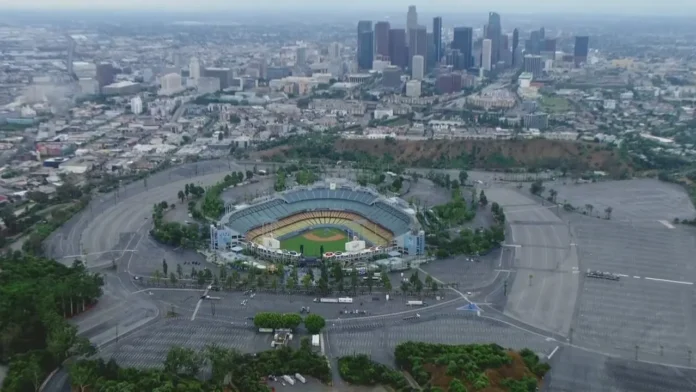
{"type": "Point", "coordinates": [331, 239]}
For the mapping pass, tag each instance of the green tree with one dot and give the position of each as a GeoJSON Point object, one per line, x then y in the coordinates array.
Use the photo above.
{"type": "Point", "coordinates": [179, 271]}
{"type": "Point", "coordinates": [354, 280]}
{"type": "Point", "coordinates": [165, 267]}
{"type": "Point", "coordinates": [157, 276]}
{"type": "Point", "coordinates": [83, 375]}
{"type": "Point", "coordinates": [181, 196]}
{"type": "Point", "coordinates": [537, 187]}
{"type": "Point", "coordinates": [483, 200]}
{"type": "Point", "coordinates": [314, 323]}
{"type": "Point", "coordinates": [386, 282]}
{"type": "Point", "coordinates": [307, 281]}
{"type": "Point", "coordinates": [183, 361]}
{"type": "Point", "coordinates": [173, 279]}
{"type": "Point", "coordinates": [463, 176]}
{"type": "Point", "coordinates": [457, 386]}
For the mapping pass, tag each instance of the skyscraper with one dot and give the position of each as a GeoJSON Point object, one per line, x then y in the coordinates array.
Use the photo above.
{"type": "Point", "coordinates": [411, 22]}
{"type": "Point", "coordinates": [398, 52]}
{"type": "Point", "coordinates": [505, 49]}
{"type": "Point", "coordinates": [366, 49]}
{"type": "Point", "coordinates": [301, 56]}
{"type": "Point", "coordinates": [418, 67]}
{"type": "Point", "coordinates": [437, 37]}
{"type": "Point", "coordinates": [493, 32]}
{"type": "Point", "coordinates": [70, 55]}
{"type": "Point", "coordinates": [382, 39]}
{"type": "Point", "coordinates": [364, 26]}
{"type": "Point", "coordinates": [582, 48]}
{"type": "Point", "coordinates": [533, 65]}
{"type": "Point", "coordinates": [463, 42]}
{"type": "Point", "coordinates": [418, 42]}
{"type": "Point", "coordinates": [195, 68]}
{"type": "Point", "coordinates": [334, 50]}
{"type": "Point", "coordinates": [486, 54]}
{"type": "Point", "coordinates": [515, 44]}
{"type": "Point", "coordinates": [542, 33]}
{"type": "Point", "coordinates": [533, 44]}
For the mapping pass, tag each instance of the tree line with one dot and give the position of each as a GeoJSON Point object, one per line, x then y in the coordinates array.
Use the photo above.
{"type": "Point", "coordinates": [36, 296]}
{"type": "Point", "coordinates": [183, 371]}
{"type": "Point", "coordinates": [272, 320]}
{"type": "Point", "coordinates": [173, 233]}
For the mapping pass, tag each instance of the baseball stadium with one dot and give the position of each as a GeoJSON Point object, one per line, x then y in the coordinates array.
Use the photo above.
{"type": "Point", "coordinates": [333, 220]}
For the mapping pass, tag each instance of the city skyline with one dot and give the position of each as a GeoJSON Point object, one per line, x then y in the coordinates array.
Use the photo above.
{"type": "Point", "coordinates": [504, 6]}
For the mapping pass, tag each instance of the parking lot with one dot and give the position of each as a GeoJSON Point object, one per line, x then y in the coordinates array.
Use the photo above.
{"type": "Point", "coordinates": [575, 370]}
{"type": "Point", "coordinates": [458, 327]}
{"type": "Point", "coordinates": [637, 200]}
{"type": "Point", "coordinates": [149, 347]}
{"type": "Point", "coordinates": [545, 284]}
{"type": "Point", "coordinates": [229, 306]}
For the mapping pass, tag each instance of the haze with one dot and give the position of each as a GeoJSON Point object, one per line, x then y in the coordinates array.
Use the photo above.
{"type": "Point", "coordinates": [506, 6]}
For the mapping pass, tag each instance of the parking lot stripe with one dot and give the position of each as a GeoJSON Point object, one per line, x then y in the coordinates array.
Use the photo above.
{"type": "Point", "coordinates": [670, 281]}
{"type": "Point", "coordinates": [666, 224]}
{"type": "Point", "coordinates": [637, 277]}
{"type": "Point", "coordinates": [553, 352]}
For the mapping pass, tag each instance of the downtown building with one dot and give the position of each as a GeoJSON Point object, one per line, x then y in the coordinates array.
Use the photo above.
{"type": "Point", "coordinates": [365, 49]}
{"type": "Point", "coordinates": [463, 42]}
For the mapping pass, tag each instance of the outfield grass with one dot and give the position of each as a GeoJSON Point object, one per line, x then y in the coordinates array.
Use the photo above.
{"type": "Point", "coordinates": [312, 248]}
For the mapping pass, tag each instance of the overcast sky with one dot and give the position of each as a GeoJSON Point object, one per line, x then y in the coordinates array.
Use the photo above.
{"type": "Point", "coordinates": [427, 6]}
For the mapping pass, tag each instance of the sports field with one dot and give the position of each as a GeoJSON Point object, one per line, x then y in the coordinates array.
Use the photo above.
{"type": "Point", "coordinates": [331, 239]}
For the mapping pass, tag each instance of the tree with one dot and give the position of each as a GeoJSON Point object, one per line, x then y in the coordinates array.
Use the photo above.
{"type": "Point", "coordinates": [607, 212]}
{"type": "Point", "coordinates": [165, 267]}
{"type": "Point", "coordinates": [187, 190]}
{"type": "Point", "coordinates": [172, 278]}
{"type": "Point", "coordinates": [552, 195]}
{"type": "Point", "coordinates": [386, 282]}
{"type": "Point", "coordinates": [157, 276]}
{"type": "Point", "coordinates": [537, 187]}
{"type": "Point", "coordinates": [179, 271]}
{"type": "Point", "coordinates": [463, 176]}
{"type": "Point", "coordinates": [589, 208]}
{"type": "Point", "coordinates": [314, 323]}
{"type": "Point", "coordinates": [354, 280]}
{"type": "Point", "coordinates": [307, 281]}
{"type": "Point", "coordinates": [482, 199]}
{"type": "Point", "coordinates": [249, 175]}
{"type": "Point", "coordinates": [183, 361]}
{"type": "Point", "coordinates": [83, 375]}
{"type": "Point", "coordinates": [456, 386]}
{"type": "Point", "coordinates": [181, 196]}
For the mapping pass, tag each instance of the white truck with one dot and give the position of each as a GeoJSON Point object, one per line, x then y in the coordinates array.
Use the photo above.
{"type": "Point", "coordinates": [345, 300]}
{"type": "Point", "coordinates": [289, 379]}
{"type": "Point", "coordinates": [328, 300]}
{"type": "Point", "coordinates": [414, 303]}
{"type": "Point", "coordinates": [299, 377]}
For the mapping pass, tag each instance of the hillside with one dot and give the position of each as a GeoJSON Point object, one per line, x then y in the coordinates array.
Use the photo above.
{"type": "Point", "coordinates": [475, 367]}
{"type": "Point", "coordinates": [484, 154]}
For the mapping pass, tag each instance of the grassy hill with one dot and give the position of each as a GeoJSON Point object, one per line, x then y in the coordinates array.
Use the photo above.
{"type": "Point", "coordinates": [484, 154]}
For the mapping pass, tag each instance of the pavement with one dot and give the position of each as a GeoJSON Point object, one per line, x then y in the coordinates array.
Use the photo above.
{"type": "Point", "coordinates": [546, 272]}
{"type": "Point", "coordinates": [587, 328]}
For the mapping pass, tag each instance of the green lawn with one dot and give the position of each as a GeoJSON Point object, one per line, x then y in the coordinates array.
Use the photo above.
{"type": "Point", "coordinates": [554, 104]}
{"type": "Point", "coordinates": [312, 248]}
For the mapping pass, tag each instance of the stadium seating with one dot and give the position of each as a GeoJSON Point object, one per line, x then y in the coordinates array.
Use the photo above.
{"type": "Point", "coordinates": [363, 212]}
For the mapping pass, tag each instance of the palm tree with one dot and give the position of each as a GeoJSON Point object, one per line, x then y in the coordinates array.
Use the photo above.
{"type": "Point", "coordinates": [187, 190]}
{"type": "Point", "coordinates": [181, 196]}
{"type": "Point", "coordinates": [607, 212]}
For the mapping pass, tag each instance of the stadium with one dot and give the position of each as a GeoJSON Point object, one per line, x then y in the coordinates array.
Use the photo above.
{"type": "Point", "coordinates": [334, 220]}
